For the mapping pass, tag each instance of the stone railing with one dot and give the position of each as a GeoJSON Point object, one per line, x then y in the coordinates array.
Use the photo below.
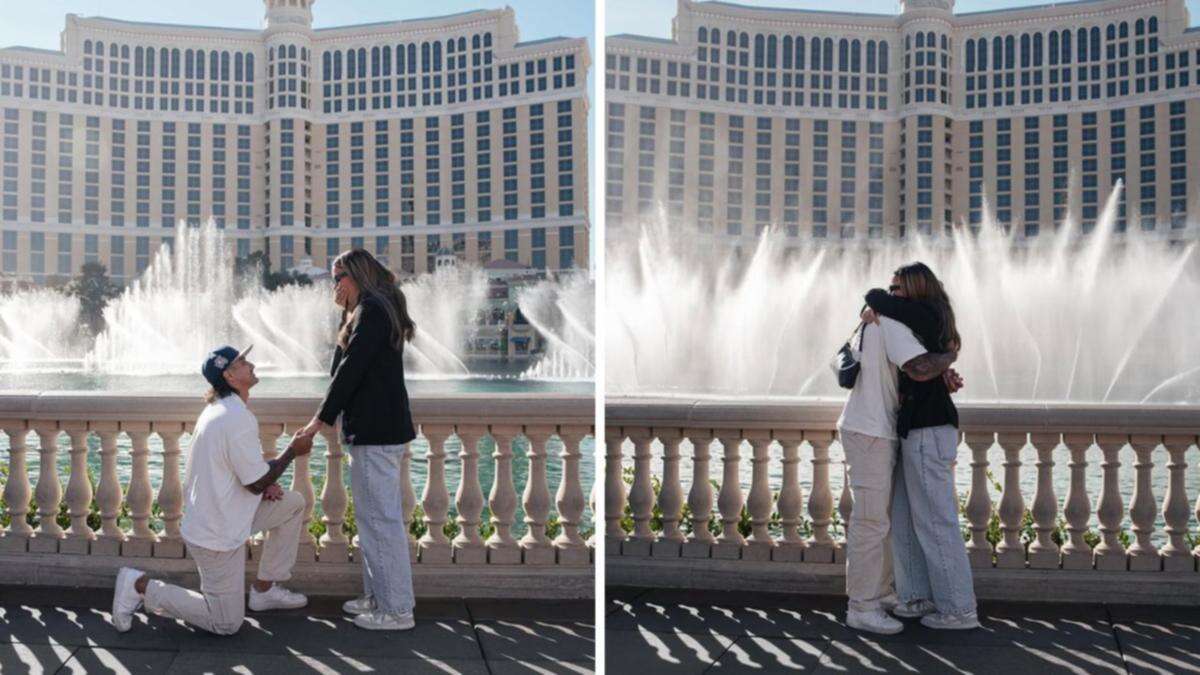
{"type": "Point", "coordinates": [746, 430]}
{"type": "Point", "coordinates": [466, 565]}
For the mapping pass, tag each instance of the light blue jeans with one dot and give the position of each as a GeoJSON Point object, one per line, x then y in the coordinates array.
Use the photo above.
{"type": "Point", "coordinates": [382, 536]}
{"type": "Point", "coordinates": [928, 550]}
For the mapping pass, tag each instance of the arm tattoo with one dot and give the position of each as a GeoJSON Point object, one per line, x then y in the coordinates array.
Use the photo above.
{"type": "Point", "coordinates": [929, 365]}
{"type": "Point", "coordinates": [277, 467]}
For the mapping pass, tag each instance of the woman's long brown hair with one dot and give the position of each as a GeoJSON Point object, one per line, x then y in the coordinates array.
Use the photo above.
{"type": "Point", "coordinates": [920, 283]}
{"type": "Point", "coordinates": [374, 280]}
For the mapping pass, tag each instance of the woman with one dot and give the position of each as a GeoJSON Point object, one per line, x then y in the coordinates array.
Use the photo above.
{"type": "Point", "coordinates": [368, 392]}
{"type": "Point", "coordinates": [933, 576]}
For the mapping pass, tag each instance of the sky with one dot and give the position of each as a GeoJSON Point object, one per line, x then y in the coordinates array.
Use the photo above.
{"type": "Point", "coordinates": [653, 17]}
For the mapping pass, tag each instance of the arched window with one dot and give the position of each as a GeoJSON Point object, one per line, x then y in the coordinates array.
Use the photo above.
{"type": "Point", "coordinates": [1153, 27]}
{"type": "Point", "coordinates": [250, 68]}
{"type": "Point", "coordinates": [1037, 50]}
{"type": "Point", "coordinates": [450, 46]}
{"type": "Point", "coordinates": [337, 64]}
{"type": "Point", "coordinates": [87, 46]}
{"type": "Point", "coordinates": [970, 56]}
{"type": "Point", "coordinates": [362, 62]}
{"type": "Point", "coordinates": [702, 35]}
{"type": "Point", "coordinates": [462, 44]}
{"type": "Point", "coordinates": [164, 62]}
{"type": "Point", "coordinates": [1010, 52]}
{"type": "Point", "coordinates": [1081, 45]}
{"type": "Point", "coordinates": [815, 61]}
{"type": "Point", "coordinates": [855, 56]}
{"type": "Point", "coordinates": [475, 41]}
{"type": "Point", "coordinates": [351, 63]}
{"type": "Point", "coordinates": [787, 51]}
{"type": "Point", "coordinates": [870, 57]}
{"type": "Point", "coordinates": [1111, 31]}
{"type": "Point", "coordinates": [800, 53]}
{"type": "Point", "coordinates": [883, 58]}
{"type": "Point", "coordinates": [1139, 28]}
{"type": "Point", "coordinates": [827, 54]}
{"type": "Point", "coordinates": [981, 61]}
{"type": "Point", "coordinates": [150, 61]}
{"type": "Point", "coordinates": [125, 52]}
{"type": "Point", "coordinates": [189, 69]}
{"type": "Point", "coordinates": [200, 64]}
{"type": "Point", "coordinates": [399, 59]}
{"type": "Point", "coordinates": [772, 47]}
{"type": "Point", "coordinates": [1053, 48]}
{"type": "Point", "coordinates": [100, 49]}
{"type": "Point", "coordinates": [437, 56]}
{"type": "Point", "coordinates": [1124, 29]}
{"type": "Point", "coordinates": [997, 53]}
{"type": "Point", "coordinates": [1065, 42]}
{"type": "Point", "coordinates": [239, 67]}
{"type": "Point", "coordinates": [920, 40]}
{"type": "Point", "coordinates": [425, 52]}
{"type": "Point", "coordinates": [487, 40]}
{"type": "Point", "coordinates": [843, 55]}
{"type": "Point", "coordinates": [714, 36]}
{"type": "Point", "coordinates": [375, 62]}
{"type": "Point", "coordinates": [214, 65]}
{"type": "Point", "coordinates": [1095, 43]}
{"type": "Point", "coordinates": [760, 46]}
{"type": "Point", "coordinates": [1025, 50]}
{"type": "Point", "coordinates": [291, 51]}
{"type": "Point", "coordinates": [113, 51]}
{"type": "Point", "coordinates": [387, 60]}
{"type": "Point", "coordinates": [744, 41]}
{"type": "Point", "coordinates": [138, 56]}
{"type": "Point", "coordinates": [412, 57]}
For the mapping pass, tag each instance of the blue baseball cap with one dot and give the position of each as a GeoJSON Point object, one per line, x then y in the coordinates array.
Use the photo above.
{"type": "Point", "coordinates": [220, 359]}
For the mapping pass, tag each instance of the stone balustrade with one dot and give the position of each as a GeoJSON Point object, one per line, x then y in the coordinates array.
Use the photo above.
{"type": "Point", "coordinates": [776, 505]}
{"type": "Point", "coordinates": [534, 565]}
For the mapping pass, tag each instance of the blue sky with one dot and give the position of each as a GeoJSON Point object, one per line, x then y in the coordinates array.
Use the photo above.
{"type": "Point", "coordinates": [653, 17]}
{"type": "Point", "coordinates": [38, 23]}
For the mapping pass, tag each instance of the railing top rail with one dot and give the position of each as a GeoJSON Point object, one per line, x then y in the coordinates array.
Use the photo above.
{"type": "Point", "coordinates": [1002, 416]}
{"type": "Point", "coordinates": [467, 408]}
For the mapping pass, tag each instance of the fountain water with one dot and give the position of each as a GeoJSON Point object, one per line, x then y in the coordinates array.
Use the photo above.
{"type": "Point", "coordinates": [564, 314]}
{"type": "Point", "coordinates": [1099, 317]}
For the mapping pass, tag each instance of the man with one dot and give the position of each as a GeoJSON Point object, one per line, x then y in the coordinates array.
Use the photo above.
{"type": "Point", "coordinates": [229, 493]}
{"type": "Point", "coordinates": [867, 430]}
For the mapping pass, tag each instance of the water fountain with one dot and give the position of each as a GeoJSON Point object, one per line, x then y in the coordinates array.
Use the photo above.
{"type": "Point", "coordinates": [1097, 317]}
{"type": "Point", "coordinates": [563, 314]}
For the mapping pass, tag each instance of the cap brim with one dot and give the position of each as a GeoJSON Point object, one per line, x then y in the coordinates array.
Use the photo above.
{"type": "Point", "coordinates": [242, 354]}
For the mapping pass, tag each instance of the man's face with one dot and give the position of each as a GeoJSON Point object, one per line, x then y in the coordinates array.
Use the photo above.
{"type": "Point", "coordinates": [240, 375]}
{"type": "Point", "coordinates": [897, 288]}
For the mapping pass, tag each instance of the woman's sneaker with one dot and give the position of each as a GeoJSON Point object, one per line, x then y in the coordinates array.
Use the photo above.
{"type": "Point", "coordinates": [360, 605]}
{"type": "Point", "coordinates": [377, 620]}
{"type": "Point", "coordinates": [950, 621]}
{"type": "Point", "coordinates": [275, 597]}
{"type": "Point", "coordinates": [876, 621]}
{"type": "Point", "coordinates": [126, 599]}
{"type": "Point", "coordinates": [914, 609]}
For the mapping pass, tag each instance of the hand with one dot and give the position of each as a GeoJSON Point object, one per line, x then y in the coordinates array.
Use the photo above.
{"type": "Point", "coordinates": [301, 444]}
{"type": "Point", "coordinates": [869, 316]}
{"type": "Point", "coordinates": [952, 380]}
{"type": "Point", "coordinates": [273, 493]}
{"type": "Point", "coordinates": [314, 425]}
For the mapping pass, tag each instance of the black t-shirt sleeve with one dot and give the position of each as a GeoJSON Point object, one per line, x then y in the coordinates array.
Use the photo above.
{"type": "Point", "coordinates": [916, 315]}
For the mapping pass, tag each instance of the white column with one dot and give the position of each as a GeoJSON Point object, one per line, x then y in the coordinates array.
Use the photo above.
{"type": "Point", "coordinates": [108, 495]}
{"type": "Point", "coordinates": [535, 545]}
{"type": "Point", "coordinates": [140, 496]}
{"type": "Point", "coordinates": [641, 494]}
{"type": "Point", "coordinates": [791, 500]}
{"type": "Point", "coordinates": [1143, 554]}
{"type": "Point", "coordinates": [48, 493]}
{"type": "Point", "coordinates": [1043, 552]}
{"type": "Point", "coordinates": [435, 499]}
{"type": "Point", "coordinates": [670, 495]}
{"type": "Point", "coordinates": [1176, 555]}
{"type": "Point", "coordinates": [1010, 552]}
{"type": "Point", "coordinates": [700, 496]}
{"type": "Point", "coordinates": [170, 493]}
{"type": "Point", "coordinates": [79, 493]}
{"type": "Point", "coordinates": [1109, 553]}
{"type": "Point", "coordinates": [502, 548]}
{"type": "Point", "coordinates": [572, 549]}
{"type": "Point", "coordinates": [333, 544]}
{"type": "Point", "coordinates": [17, 489]}
{"type": "Point", "coordinates": [729, 499]}
{"type": "Point", "coordinates": [820, 502]}
{"type": "Point", "coordinates": [468, 499]}
{"type": "Point", "coordinates": [760, 501]}
{"type": "Point", "coordinates": [979, 502]}
{"type": "Point", "coordinates": [1076, 553]}
{"type": "Point", "coordinates": [302, 483]}
{"type": "Point", "coordinates": [614, 491]}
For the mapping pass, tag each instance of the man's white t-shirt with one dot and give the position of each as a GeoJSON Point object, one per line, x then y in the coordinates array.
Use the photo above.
{"type": "Point", "coordinates": [875, 400]}
{"type": "Point", "coordinates": [225, 456]}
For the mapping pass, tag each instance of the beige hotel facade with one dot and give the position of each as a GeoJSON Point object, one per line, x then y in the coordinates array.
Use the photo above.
{"type": "Point", "coordinates": [835, 125]}
{"type": "Point", "coordinates": [407, 138]}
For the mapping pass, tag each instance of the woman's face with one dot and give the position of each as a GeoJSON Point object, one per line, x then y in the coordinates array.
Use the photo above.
{"type": "Point", "coordinates": [897, 287]}
{"type": "Point", "coordinates": [345, 291]}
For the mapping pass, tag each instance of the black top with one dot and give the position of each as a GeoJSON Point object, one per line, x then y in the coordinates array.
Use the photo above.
{"type": "Point", "coordinates": [368, 384]}
{"type": "Point", "coordinates": [922, 404]}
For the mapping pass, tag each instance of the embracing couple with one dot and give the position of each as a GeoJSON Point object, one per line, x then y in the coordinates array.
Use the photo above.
{"type": "Point", "coordinates": [230, 492]}
{"type": "Point", "coordinates": [899, 430]}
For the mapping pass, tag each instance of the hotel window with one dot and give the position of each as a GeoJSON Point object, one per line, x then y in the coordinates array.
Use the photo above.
{"type": "Point", "coordinates": [735, 177]}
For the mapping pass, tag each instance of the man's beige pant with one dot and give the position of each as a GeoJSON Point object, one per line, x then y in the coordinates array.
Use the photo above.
{"type": "Point", "coordinates": [870, 461]}
{"type": "Point", "coordinates": [221, 603]}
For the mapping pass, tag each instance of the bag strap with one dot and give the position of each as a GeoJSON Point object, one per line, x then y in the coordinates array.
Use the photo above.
{"type": "Point", "coordinates": [857, 329]}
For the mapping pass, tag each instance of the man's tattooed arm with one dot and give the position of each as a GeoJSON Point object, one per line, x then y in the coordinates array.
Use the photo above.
{"type": "Point", "coordinates": [300, 445]}
{"type": "Point", "coordinates": [929, 365]}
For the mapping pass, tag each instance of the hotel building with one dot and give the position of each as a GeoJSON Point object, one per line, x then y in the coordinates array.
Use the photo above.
{"type": "Point", "coordinates": [837, 125]}
{"type": "Point", "coordinates": [405, 138]}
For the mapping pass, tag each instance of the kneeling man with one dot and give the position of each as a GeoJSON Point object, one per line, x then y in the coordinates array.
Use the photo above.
{"type": "Point", "coordinates": [229, 493]}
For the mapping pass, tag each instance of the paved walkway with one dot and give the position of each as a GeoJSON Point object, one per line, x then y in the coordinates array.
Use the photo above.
{"type": "Point", "coordinates": [670, 631]}
{"type": "Point", "coordinates": [62, 630]}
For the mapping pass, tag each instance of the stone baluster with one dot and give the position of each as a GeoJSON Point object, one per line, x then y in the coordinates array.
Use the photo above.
{"type": "Point", "coordinates": [670, 495]}
{"type": "Point", "coordinates": [759, 502]}
{"type": "Point", "coordinates": [1176, 555]}
{"type": "Point", "coordinates": [140, 495]}
{"type": "Point", "coordinates": [1043, 552]}
{"type": "Point", "coordinates": [170, 493]}
{"type": "Point", "coordinates": [1010, 552]}
{"type": "Point", "coordinates": [333, 544]}
{"type": "Point", "coordinates": [1143, 554]}
{"type": "Point", "coordinates": [16, 490]}
{"type": "Point", "coordinates": [1110, 553]}
{"type": "Point", "coordinates": [700, 496]}
{"type": "Point", "coordinates": [108, 493]}
{"type": "Point", "coordinates": [48, 493]}
{"type": "Point", "coordinates": [572, 549]}
{"type": "Point", "coordinates": [302, 483]}
{"type": "Point", "coordinates": [1076, 553]}
{"type": "Point", "coordinates": [791, 501]}
{"type": "Point", "coordinates": [435, 498]}
{"type": "Point", "coordinates": [614, 491]}
{"type": "Point", "coordinates": [729, 499]}
{"type": "Point", "coordinates": [268, 436]}
{"type": "Point", "coordinates": [535, 545]}
{"type": "Point", "coordinates": [468, 499]}
{"type": "Point", "coordinates": [979, 502]}
{"type": "Point", "coordinates": [79, 493]}
{"type": "Point", "coordinates": [502, 548]}
{"type": "Point", "coordinates": [641, 494]}
{"type": "Point", "coordinates": [408, 501]}
{"type": "Point", "coordinates": [820, 501]}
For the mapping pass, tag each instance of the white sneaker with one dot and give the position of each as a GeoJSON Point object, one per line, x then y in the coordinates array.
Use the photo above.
{"type": "Point", "coordinates": [876, 621]}
{"type": "Point", "coordinates": [275, 597]}
{"type": "Point", "coordinates": [941, 621]}
{"type": "Point", "coordinates": [914, 609]}
{"type": "Point", "coordinates": [376, 620]}
{"type": "Point", "coordinates": [360, 605]}
{"type": "Point", "coordinates": [126, 599]}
